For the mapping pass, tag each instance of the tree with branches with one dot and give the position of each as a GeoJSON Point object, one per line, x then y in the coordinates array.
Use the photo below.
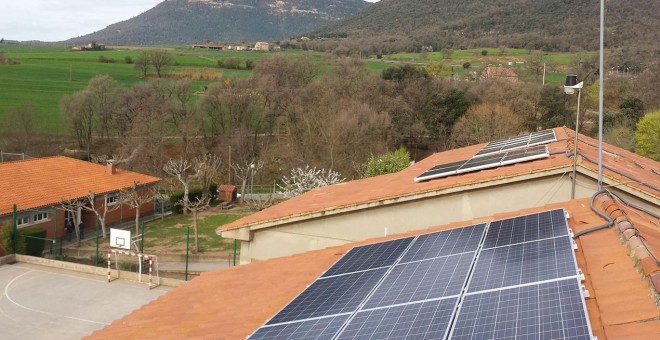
{"type": "Point", "coordinates": [73, 206]}
{"type": "Point", "coordinates": [305, 179]}
{"type": "Point", "coordinates": [246, 172]}
{"type": "Point", "coordinates": [180, 170]}
{"type": "Point", "coordinates": [199, 204]}
{"type": "Point", "coordinates": [101, 213]}
{"type": "Point", "coordinates": [135, 199]}
{"type": "Point", "coordinates": [207, 170]}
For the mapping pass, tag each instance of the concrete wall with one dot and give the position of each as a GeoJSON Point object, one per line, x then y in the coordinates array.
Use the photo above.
{"type": "Point", "coordinates": [397, 218]}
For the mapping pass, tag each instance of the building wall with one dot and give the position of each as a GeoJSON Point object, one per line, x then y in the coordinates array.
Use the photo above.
{"type": "Point", "coordinates": [398, 218]}
{"type": "Point", "coordinates": [419, 214]}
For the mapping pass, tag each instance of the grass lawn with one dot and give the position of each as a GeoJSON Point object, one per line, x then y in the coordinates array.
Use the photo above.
{"type": "Point", "coordinates": [169, 235]}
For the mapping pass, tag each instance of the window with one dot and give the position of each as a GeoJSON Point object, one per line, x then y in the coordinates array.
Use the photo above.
{"type": "Point", "coordinates": [22, 220]}
{"type": "Point", "coordinates": [40, 217]}
{"type": "Point", "coordinates": [110, 200]}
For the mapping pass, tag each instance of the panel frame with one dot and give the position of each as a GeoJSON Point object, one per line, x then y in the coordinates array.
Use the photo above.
{"type": "Point", "coordinates": [501, 144]}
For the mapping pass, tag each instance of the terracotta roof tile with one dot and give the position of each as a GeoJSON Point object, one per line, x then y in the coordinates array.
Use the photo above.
{"type": "Point", "coordinates": [45, 181]}
{"type": "Point", "coordinates": [232, 303]}
{"type": "Point", "coordinates": [401, 184]}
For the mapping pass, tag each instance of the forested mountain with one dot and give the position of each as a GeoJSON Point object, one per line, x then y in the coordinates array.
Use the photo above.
{"type": "Point", "coordinates": [194, 21]}
{"type": "Point", "coordinates": [534, 24]}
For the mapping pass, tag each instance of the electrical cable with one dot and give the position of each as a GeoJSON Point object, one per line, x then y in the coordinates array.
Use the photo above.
{"type": "Point", "coordinates": [609, 223]}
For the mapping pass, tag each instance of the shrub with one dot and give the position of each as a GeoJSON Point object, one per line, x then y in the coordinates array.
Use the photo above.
{"type": "Point", "coordinates": [103, 59]}
{"type": "Point", "coordinates": [176, 197]}
{"type": "Point", "coordinates": [484, 52]}
{"type": "Point", "coordinates": [34, 240]}
{"type": "Point", "coordinates": [249, 64]}
{"type": "Point", "coordinates": [388, 163]}
{"type": "Point", "coordinates": [128, 59]}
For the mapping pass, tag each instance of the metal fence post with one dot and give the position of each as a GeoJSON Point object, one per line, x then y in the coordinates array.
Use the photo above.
{"type": "Point", "coordinates": [187, 243]}
{"type": "Point", "coordinates": [142, 240]}
{"type": "Point", "coordinates": [14, 229]}
{"type": "Point", "coordinates": [96, 259]}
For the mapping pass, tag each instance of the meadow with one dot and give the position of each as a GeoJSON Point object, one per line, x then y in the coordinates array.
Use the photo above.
{"type": "Point", "coordinates": [45, 74]}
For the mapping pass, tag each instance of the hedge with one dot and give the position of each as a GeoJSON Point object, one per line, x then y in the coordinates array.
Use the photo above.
{"type": "Point", "coordinates": [33, 246]}
{"type": "Point", "coordinates": [194, 194]}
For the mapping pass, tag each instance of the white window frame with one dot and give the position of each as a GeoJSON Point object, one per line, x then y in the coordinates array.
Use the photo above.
{"type": "Point", "coordinates": [40, 217]}
{"type": "Point", "coordinates": [111, 200]}
{"type": "Point", "coordinates": [22, 221]}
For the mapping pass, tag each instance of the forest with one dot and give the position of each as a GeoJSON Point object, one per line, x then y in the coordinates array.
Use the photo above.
{"type": "Point", "coordinates": [292, 112]}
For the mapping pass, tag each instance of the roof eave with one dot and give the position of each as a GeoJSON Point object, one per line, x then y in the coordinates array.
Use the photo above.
{"type": "Point", "coordinates": [243, 235]}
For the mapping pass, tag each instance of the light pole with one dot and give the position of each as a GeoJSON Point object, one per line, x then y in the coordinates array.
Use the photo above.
{"type": "Point", "coordinates": [600, 96]}
{"type": "Point", "coordinates": [570, 87]}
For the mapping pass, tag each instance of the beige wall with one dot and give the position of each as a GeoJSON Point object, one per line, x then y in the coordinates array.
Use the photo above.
{"type": "Point", "coordinates": [397, 218]}
{"type": "Point", "coordinates": [332, 230]}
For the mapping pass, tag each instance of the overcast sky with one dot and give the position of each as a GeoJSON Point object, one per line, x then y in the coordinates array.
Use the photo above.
{"type": "Point", "coordinates": [56, 20]}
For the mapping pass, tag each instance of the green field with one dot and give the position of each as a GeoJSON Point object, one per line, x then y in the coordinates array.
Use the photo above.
{"type": "Point", "coordinates": [44, 74]}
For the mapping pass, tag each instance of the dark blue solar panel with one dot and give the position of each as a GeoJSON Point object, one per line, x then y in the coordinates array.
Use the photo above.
{"type": "Point", "coordinates": [441, 170]}
{"type": "Point", "coordinates": [370, 256]}
{"type": "Point", "coordinates": [423, 280]}
{"type": "Point", "coordinates": [528, 153]}
{"type": "Point", "coordinates": [503, 145]}
{"type": "Point", "coordinates": [552, 310]}
{"type": "Point", "coordinates": [426, 320]}
{"type": "Point", "coordinates": [489, 160]}
{"type": "Point", "coordinates": [523, 263]}
{"type": "Point", "coordinates": [526, 228]}
{"type": "Point", "coordinates": [333, 295]}
{"type": "Point", "coordinates": [445, 243]}
{"type": "Point", "coordinates": [318, 329]}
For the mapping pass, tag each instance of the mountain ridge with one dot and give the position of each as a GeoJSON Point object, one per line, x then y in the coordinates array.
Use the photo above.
{"type": "Point", "coordinates": [194, 21]}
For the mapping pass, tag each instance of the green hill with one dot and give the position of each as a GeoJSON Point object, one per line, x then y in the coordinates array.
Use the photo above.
{"type": "Point", "coordinates": [533, 24]}
{"type": "Point", "coordinates": [193, 21]}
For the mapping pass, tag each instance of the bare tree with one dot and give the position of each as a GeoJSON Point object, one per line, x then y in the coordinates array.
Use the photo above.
{"type": "Point", "coordinates": [22, 124]}
{"type": "Point", "coordinates": [73, 206]}
{"type": "Point", "coordinates": [135, 199]}
{"type": "Point", "coordinates": [207, 169]}
{"type": "Point", "coordinates": [247, 172]}
{"type": "Point", "coordinates": [196, 206]}
{"type": "Point", "coordinates": [180, 170]}
{"type": "Point", "coordinates": [142, 63]}
{"type": "Point", "coordinates": [160, 59]}
{"type": "Point", "coordinates": [102, 213]}
{"type": "Point", "coordinates": [156, 193]}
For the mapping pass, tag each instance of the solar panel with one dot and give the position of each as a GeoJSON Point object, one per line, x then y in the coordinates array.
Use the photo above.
{"type": "Point", "coordinates": [526, 154]}
{"type": "Point", "coordinates": [371, 256]}
{"type": "Point", "coordinates": [328, 296]}
{"type": "Point", "coordinates": [444, 243]}
{"type": "Point", "coordinates": [526, 228]}
{"type": "Point", "coordinates": [423, 280]}
{"type": "Point", "coordinates": [534, 138]}
{"type": "Point", "coordinates": [524, 263]}
{"type": "Point", "coordinates": [485, 162]}
{"type": "Point", "coordinates": [512, 278]}
{"type": "Point", "coordinates": [425, 320]}
{"type": "Point", "coordinates": [441, 170]}
{"type": "Point", "coordinates": [551, 310]}
{"type": "Point", "coordinates": [319, 329]}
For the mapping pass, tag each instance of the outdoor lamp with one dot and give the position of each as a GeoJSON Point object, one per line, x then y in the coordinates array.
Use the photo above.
{"type": "Point", "coordinates": [570, 86]}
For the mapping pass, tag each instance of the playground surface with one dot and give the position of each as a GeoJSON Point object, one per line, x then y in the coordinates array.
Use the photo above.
{"type": "Point", "coordinates": [46, 303]}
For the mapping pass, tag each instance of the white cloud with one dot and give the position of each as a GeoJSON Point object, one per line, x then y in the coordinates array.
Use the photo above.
{"type": "Point", "coordinates": [55, 20]}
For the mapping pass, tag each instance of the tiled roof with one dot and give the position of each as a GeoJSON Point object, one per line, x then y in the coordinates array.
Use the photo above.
{"type": "Point", "coordinates": [232, 303]}
{"type": "Point", "coordinates": [399, 185]}
{"type": "Point", "coordinates": [45, 181]}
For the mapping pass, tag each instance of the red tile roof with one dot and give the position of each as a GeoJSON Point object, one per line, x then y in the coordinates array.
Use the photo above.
{"type": "Point", "coordinates": [232, 303]}
{"type": "Point", "coordinates": [46, 181]}
{"type": "Point", "coordinates": [398, 185]}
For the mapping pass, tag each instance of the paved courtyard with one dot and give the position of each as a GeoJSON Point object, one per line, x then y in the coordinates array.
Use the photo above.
{"type": "Point", "coordinates": [46, 303]}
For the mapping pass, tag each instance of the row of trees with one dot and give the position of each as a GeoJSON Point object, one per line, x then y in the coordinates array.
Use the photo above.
{"type": "Point", "coordinates": [292, 113]}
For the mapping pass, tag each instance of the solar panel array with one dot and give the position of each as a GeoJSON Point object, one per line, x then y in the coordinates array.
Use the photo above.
{"type": "Point", "coordinates": [485, 162]}
{"type": "Point", "coordinates": [534, 138]}
{"type": "Point", "coordinates": [512, 278]}
{"type": "Point", "coordinates": [497, 153]}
